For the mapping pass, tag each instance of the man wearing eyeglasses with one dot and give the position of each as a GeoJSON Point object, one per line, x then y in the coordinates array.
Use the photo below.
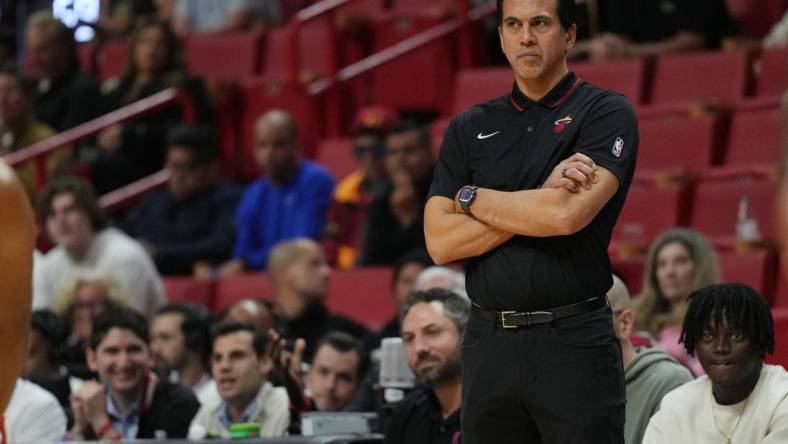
{"type": "Point", "coordinates": [190, 223]}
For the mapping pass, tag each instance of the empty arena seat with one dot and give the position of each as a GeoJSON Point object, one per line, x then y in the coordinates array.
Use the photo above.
{"type": "Point", "coordinates": [754, 18]}
{"type": "Point", "coordinates": [473, 86]}
{"type": "Point", "coordinates": [773, 79]}
{"type": "Point", "coordinates": [337, 156]}
{"type": "Point", "coordinates": [420, 80]}
{"type": "Point", "coordinates": [701, 76]}
{"type": "Point", "coordinates": [624, 76]}
{"type": "Point", "coordinates": [780, 356]}
{"type": "Point", "coordinates": [630, 270]}
{"type": "Point", "coordinates": [232, 289]}
{"type": "Point", "coordinates": [717, 199]}
{"type": "Point", "coordinates": [755, 135]}
{"type": "Point", "coordinates": [111, 59]}
{"type": "Point", "coordinates": [673, 141]}
{"type": "Point", "coordinates": [188, 289]}
{"type": "Point", "coordinates": [226, 56]}
{"type": "Point", "coordinates": [650, 209]}
{"type": "Point", "coordinates": [363, 294]}
{"type": "Point", "coordinates": [756, 268]}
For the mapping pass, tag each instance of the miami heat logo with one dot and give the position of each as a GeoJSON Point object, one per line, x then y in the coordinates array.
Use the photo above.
{"type": "Point", "coordinates": [560, 124]}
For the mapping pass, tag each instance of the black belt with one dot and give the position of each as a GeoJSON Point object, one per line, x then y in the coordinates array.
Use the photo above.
{"type": "Point", "coordinates": [517, 319]}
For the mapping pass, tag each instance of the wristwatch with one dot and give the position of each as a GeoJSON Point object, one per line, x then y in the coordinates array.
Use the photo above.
{"type": "Point", "coordinates": [466, 196]}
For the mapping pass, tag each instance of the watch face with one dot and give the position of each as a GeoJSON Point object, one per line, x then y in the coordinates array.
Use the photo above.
{"type": "Point", "coordinates": [466, 194]}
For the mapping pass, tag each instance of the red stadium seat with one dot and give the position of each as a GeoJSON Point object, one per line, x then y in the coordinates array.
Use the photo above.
{"type": "Point", "coordinates": [780, 356]}
{"type": "Point", "coordinates": [717, 200]}
{"type": "Point", "coordinates": [420, 80]}
{"type": "Point", "coordinates": [754, 18]}
{"type": "Point", "coordinates": [781, 288]}
{"type": "Point", "coordinates": [337, 156]}
{"type": "Point", "coordinates": [755, 135]}
{"type": "Point", "coordinates": [473, 86]}
{"type": "Point", "coordinates": [232, 289]}
{"type": "Point", "coordinates": [755, 268]}
{"type": "Point", "coordinates": [224, 56]}
{"type": "Point", "coordinates": [630, 270]}
{"type": "Point", "coordinates": [773, 80]}
{"type": "Point", "coordinates": [111, 59]}
{"type": "Point", "coordinates": [650, 209]}
{"type": "Point", "coordinates": [673, 141]}
{"type": "Point", "coordinates": [701, 76]}
{"type": "Point", "coordinates": [624, 76]}
{"type": "Point", "coordinates": [187, 289]}
{"type": "Point", "coordinates": [363, 294]}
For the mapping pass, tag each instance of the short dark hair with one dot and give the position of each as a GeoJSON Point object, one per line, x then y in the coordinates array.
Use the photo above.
{"type": "Point", "coordinates": [195, 326]}
{"type": "Point", "coordinates": [118, 317]}
{"type": "Point", "coordinates": [53, 329]}
{"type": "Point", "coordinates": [84, 197]}
{"type": "Point", "coordinates": [455, 307]}
{"type": "Point", "coordinates": [343, 343]}
{"type": "Point", "coordinates": [199, 140]}
{"type": "Point", "coordinates": [259, 337]}
{"type": "Point", "coordinates": [406, 126]}
{"type": "Point", "coordinates": [566, 12]}
{"type": "Point", "coordinates": [739, 305]}
{"type": "Point", "coordinates": [416, 255]}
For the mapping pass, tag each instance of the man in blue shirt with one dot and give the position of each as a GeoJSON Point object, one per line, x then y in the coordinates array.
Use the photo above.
{"type": "Point", "coordinates": [289, 201]}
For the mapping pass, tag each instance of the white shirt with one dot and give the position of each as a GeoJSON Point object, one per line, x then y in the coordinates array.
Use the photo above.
{"type": "Point", "coordinates": [34, 416]}
{"type": "Point", "coordinates": [113, 254]}
{"type": "Point", "coordinates": [688, 414]}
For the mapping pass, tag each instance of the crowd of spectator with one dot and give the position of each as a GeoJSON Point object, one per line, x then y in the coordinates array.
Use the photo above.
{"type": "Point", "coordinates": [111, 358]}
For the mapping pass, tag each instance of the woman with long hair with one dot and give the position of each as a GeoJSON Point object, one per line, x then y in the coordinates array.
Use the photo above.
{"type": "Point", "coordinates": [679, 262]}
{"type": "Point", "coordinates": [135, 149]}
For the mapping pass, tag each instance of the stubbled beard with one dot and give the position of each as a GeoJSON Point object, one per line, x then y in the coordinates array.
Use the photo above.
{"type": "Point", "coordinates": [450, 369]}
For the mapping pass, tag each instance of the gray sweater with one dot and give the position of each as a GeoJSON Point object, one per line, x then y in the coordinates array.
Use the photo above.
{"type": "Point", "coordinates": [651, 375]}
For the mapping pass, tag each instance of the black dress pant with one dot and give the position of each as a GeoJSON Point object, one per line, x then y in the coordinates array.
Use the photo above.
{"type": "Point", "coordinates": [556, 383]}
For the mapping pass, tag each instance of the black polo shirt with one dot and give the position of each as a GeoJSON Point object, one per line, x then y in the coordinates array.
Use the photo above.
{"type": "Point", "coordinates": [513, 143]}
{"type": "Point", "coordinates": [418, 419]}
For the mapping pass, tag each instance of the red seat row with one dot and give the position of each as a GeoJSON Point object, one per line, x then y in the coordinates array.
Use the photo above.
{"type": "Point", "coordinates": [362, 294]}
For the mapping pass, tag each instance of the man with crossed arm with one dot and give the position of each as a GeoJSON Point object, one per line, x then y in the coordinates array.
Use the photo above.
{"type": "Point", "coordinates": [541, 361]}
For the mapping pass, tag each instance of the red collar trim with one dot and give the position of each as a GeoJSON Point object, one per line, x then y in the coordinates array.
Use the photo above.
{"type": "Point", "coordinates": [568, 92]}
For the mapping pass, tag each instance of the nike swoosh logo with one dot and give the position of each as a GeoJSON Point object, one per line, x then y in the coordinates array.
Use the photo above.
{"type": "Point", "coordinates": [482, 136]}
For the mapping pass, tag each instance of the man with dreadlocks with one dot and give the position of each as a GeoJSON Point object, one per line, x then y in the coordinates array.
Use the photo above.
{"type": "Point", "coordinates": [740, 400]}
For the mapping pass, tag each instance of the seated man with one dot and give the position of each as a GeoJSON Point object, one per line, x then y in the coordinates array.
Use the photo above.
{"type": "Point", "coordinates": [432, 325]}
{"type": "Point", "coordinates": [740, 399]}
{"type": "Point", "coordinates": [131, 402]}
{"type": "Point", "coordinates": [355, 192]}
{"type": "Point", "coordinates": [300, 278]}
{"type": "Point", "coordinates": [240, 367]}
{"type": "Point", "coordinates": [256, 312]}
{"type": "Point", "coordinates": [395, 217]}
{"type": "Point", "coordinates": [289, 201]}
{"type": "Point", "coordinates": [337, 371]}
{"type": "Point", "coordinates": [34, 415]}
{"type": "Point", "coordinates": [649, 373]}
{"type": "Point", "coordinates": [180, 344]}
{"type": "Point", "coordinates": [650, 28]}
{"type": "Point", "coordinates": [83, 239]}
{"type": "Point", "coordinates": [191, 222]}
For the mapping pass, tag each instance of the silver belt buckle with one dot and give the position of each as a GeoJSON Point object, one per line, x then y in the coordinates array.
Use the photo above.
{"type": "Point", "coordinates": [503, 319]}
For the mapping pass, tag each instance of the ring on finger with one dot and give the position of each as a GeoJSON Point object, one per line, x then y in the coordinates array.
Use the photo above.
{"type": "Point", "coordinates": [563, 173]}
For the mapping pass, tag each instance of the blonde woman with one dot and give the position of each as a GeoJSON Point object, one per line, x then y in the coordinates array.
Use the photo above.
{"type": "Point", "coordinates": [679, 262]}
{"type": "Point", "coordinates": [79, 302]}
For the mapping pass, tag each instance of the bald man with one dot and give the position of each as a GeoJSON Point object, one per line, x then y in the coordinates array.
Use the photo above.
{"type": "Point", "coordinates": [650, 373]}
{"type": "Point", "coordinates": [16, 267]}
{"type": "Point", "coordinates": [290, 199]}
{"type": "Point", "coordinates": [300, 276]}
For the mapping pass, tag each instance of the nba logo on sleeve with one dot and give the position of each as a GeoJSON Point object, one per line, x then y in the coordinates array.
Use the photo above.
{"type": "Point", "coordinates": [618, 145]}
